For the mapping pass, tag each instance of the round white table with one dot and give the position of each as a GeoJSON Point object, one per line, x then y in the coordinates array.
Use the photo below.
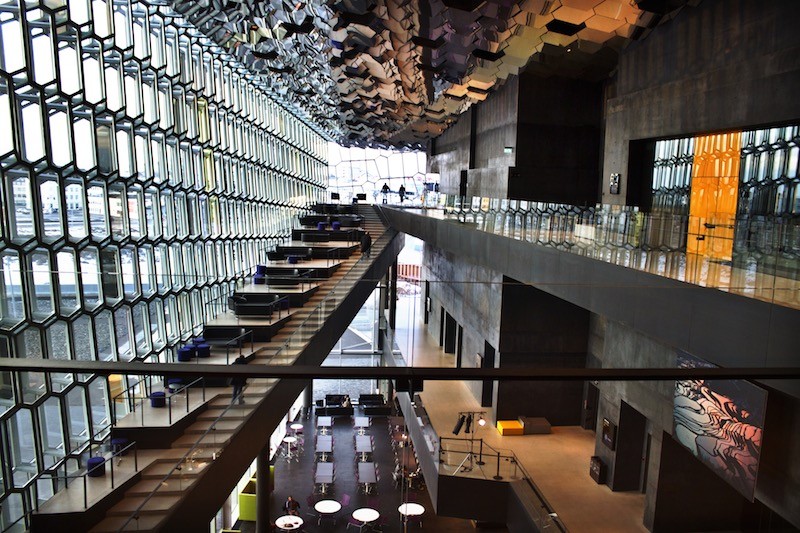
{"type": "Point", "coordinates": [366, 515]}
{"type": "Point", "coordinates": [289, 522]}
{"type": "Point", "coordinates": [296, 427]}
{"type": "Point", "coordinates": [411, 509]}
{"type": "Point", "coordinates": [327, 507]}
{"type": "Point", "coordinates": [289, 441]}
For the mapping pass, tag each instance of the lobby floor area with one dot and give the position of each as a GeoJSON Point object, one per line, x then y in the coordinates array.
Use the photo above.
{"type": "Point", "coordinates": [558, 462]}
{"type": "Point", "coordinates": [295, 478]}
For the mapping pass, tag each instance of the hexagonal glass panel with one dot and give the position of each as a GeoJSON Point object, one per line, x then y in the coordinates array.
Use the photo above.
{"type": "Point", "coordinates": [12, 305]}
{"type": "Point", "coordinates": [21, 447]}
{"type": "Point", "coordinates": [98, 405]}
{"type": "Point", "coordinates": [68, 302]}
{"type": "Point", "coordinates": [83, 338]}
{"type": "Point", "coordinates": [43, 301]}
{"type": "Point", "coordinates": [52, 432]}
{"type": "Point", "coordinates": [77, 418]}
{"type": "Point", "coordinates": [104, 335]}
{"type": "Point", "coordinates": [90, 279]}
{"type": "Point", "coordinates": [20, 210]}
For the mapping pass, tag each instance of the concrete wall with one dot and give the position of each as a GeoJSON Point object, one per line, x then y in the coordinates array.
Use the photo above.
{"type": "Point", "coordinates": [540, 330]}
{"type": "Point", "coordinates": [558, 140]}
{"type": "Point", "coordinates": [778, 485]}
{"type": "Point", "coordinates": [718, 66]}
{"type": "Point", "coordinates": [496, 127]}
{"type": "Point", "coordinates": [450, 154]}
{"type": "Point", "coordinates": [472, 295]}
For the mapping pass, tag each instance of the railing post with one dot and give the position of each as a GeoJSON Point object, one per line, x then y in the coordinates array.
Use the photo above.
{"type": "Point", "coordinates": [480, 455]}
{"type": "Point", "coordinates": [497, 476]}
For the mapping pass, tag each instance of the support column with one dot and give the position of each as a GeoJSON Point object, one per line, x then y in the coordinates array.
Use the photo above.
{"type": "Point", "coordinates": [393, 296]}
{"type": "Point", "coordinates": [308, 399]}
{"type": "Point", "coordinates": [262, 491]}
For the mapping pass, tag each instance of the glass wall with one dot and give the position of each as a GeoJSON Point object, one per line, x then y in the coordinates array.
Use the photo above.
{"type": "Point", "coordinates": [737, 192]}
{"type": "Point", "coordinates": [356, 170]}
{"type": "Point", "coordinates": [142, 172]}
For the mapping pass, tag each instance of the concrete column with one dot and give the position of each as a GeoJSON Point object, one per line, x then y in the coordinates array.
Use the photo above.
{"type": "Point", "coordinates": [308, 399]}
{"type": "Point", "coordinates": [262, 491]}
{"type": "Point", "coordinates": [393, 296]}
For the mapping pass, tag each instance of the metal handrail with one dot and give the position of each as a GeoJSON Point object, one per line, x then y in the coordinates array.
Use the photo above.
{"type": "Point", "coordinates": [332, 296]}
{"type": "Point", "coordinates": [182, 460]}
{"type": "Point", "coordinates": [66, 477]}
{"type": "Point", "coordinates": [517, 464]}
{"type": "Point", "coordinates": [235, 341]}
{"type": "Point", "coordinates": [168, 396]}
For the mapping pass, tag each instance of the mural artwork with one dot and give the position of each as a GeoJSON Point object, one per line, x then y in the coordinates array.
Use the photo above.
{"type": "Point", "coordinates": [721, 422]}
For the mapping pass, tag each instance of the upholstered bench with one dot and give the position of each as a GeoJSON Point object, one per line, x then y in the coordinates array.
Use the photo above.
{"type": "Point", "coordinates": [509, 427]}
{"type": "Point", "coordinates": [203, 350]}
{"type": "Point", "coordinates": [96, 467]}
{"type": "Point", "coordinates": [158, 399]}
{"type": "Point", "coordinates": [534, 425]}
{"type": "Point", "coordinates": [186, 353]}
{"type": "Point", "coordinates": [119, 444]}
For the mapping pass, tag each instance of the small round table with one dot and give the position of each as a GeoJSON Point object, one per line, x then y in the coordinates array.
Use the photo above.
{"type": "Point", "coordinates": [327, 508]}
{"type": "Point", "coordinates": [366, 515]}
{"type": "Point", "coordinates": [411, 509]}
{"type": "Point", "coordinates": [289, 522]}
{"type": "Point", "coordinates": [296, 427]}
{"type": "Point", "coordinates": [289, 441]}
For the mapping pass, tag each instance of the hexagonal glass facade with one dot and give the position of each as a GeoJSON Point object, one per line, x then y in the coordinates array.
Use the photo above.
{"type": "Point", "coordinates": [142, 172]}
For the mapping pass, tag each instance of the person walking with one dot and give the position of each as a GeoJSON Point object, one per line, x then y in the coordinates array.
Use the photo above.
{"type": "Point", "coordinates": [238, 382]}
{"type": "Point", "coordinates": [402, 192]}
{"type": "Point", "coordinates": [366, 244]}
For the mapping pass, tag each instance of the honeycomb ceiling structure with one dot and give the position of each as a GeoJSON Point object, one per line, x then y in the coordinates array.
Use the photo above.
{"type": "Point", "coordinates": [398, 72]}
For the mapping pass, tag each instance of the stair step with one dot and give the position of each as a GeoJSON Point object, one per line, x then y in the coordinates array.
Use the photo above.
{"type": "Point", "coordinates": [158, 504]}
{"type": "Point", "coordinates": [146, 486]}
{"type": "Point", "coordinates": [113, 524]}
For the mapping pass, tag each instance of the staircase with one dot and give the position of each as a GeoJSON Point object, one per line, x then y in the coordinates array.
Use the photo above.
{"type": "Point", "coordinates": [184, 471]}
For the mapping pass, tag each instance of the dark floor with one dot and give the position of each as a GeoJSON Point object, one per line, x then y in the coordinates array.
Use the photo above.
{"type": "Point", "coordinates": [295, 478]}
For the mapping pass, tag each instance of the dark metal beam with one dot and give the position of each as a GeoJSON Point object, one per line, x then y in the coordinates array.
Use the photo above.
{"type": "Point", "coordinates": [429, 373]}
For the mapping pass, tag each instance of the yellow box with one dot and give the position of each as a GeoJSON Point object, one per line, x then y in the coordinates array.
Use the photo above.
{"type": "Point", "coordinates": [509, 427]}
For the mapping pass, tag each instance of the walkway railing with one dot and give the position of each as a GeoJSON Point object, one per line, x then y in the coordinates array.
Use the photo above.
{"type": "Point", "coordinates": [288, 353]}
{"type": "Point", "coordinates": [754, 256]}
{"type": "Point", "coordinates": [135, 400]}
{"type": "Point", "coordinates": [184, 472]}
{"type": "Point", "coordinates": [67, 478]}
{"type": "Point", "coordinates": [476, 459]}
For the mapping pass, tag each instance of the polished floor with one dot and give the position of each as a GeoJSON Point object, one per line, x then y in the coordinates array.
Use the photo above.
{"type": "Point", "coordinates": [295, 478]}
{"type": "Point", "coordinates": [558, 462]}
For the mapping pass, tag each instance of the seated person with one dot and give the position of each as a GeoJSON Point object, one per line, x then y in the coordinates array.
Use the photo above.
{"type": "Point", "coordinates": [291, 507]}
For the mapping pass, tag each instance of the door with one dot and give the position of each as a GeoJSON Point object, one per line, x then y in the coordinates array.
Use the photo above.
{"type": "Point", "coordinates": [487, 393]}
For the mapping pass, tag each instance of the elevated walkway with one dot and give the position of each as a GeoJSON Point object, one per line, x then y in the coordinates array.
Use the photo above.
{"type": "Point", "coordinates": [728, 329]}
{"type": "Point", "coordinates": [180, 488]}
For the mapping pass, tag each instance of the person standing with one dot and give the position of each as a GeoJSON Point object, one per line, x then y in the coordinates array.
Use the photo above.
{"type": "Point", "coordinates": [402, 192]}
{"type": "Point", "coordinates": [385, 192]}
{"type": "Point", "coordinates": [238, 382]}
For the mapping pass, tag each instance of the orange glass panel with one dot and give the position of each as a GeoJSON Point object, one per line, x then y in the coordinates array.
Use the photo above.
{"type": "Point", "coordinates": [714, 193]}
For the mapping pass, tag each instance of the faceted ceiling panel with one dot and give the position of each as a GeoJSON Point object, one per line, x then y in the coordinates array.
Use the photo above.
{"type": "Point", "coordinates": [400, 71]}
